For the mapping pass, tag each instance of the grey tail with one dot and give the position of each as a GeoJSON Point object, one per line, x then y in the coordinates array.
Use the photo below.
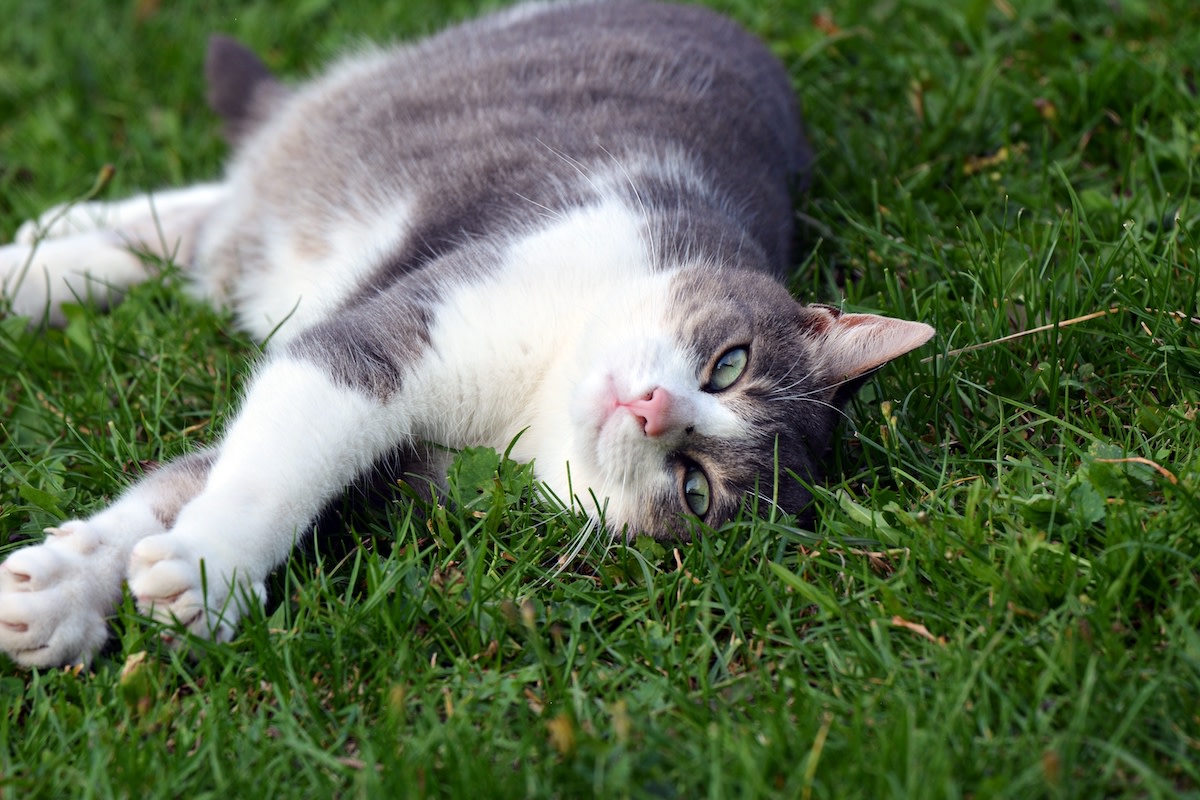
{"type": "Point", "coordinates": [240, 87]}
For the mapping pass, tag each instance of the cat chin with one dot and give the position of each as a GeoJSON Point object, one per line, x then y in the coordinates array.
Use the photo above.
{"type": "Point", "coordinates": [600, 462]}
{"type": "Point", "coordinates": [582, 487]}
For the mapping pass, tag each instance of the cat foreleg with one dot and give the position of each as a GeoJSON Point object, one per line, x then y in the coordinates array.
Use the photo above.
{"type": "Point", "coordinates": [95, 251]}
{"type": "Point", "coordinates": [56, 597]}
{"type": "Point", "coordinates": [299, 439]}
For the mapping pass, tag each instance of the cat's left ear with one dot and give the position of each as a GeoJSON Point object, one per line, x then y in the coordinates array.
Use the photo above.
{"type": "Point", "coordinates": [855, 345]}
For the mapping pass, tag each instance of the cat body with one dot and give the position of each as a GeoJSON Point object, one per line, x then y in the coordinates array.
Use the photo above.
{"type": "Point", "coordinates": [560, 228]}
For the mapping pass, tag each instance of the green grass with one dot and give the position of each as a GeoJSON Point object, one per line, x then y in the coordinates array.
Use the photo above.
{"type": "Point", "coordinates": [1001, 597]}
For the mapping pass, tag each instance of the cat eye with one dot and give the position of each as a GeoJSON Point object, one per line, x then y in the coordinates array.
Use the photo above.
{"type": "Point", "coordinates": [696, 492]}
{"type": "Point", "coordinates": [729, 367]}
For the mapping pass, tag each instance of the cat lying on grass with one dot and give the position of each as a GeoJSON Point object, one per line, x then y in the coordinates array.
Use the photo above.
{"type": "Point", "coordinates": [560, 225]}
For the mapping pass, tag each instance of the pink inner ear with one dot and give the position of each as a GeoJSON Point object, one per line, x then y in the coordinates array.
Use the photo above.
{"type": "Point", "coordinates": [855, 344]}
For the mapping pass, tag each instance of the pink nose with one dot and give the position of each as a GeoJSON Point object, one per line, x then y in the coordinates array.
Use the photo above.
{"type": "Point", "coordinates": [653, 410]}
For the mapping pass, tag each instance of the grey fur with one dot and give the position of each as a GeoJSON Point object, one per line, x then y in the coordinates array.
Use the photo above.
{"type": "Point", "coordinates": [173, 485]}
{"type": "Point", "coordinates": [240, 87]}
{"type": "Point", "coordinates": [493, 122]}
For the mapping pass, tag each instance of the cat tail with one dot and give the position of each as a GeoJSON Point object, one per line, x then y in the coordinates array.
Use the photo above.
{"type": "Point", "coordinates": [240, 87]}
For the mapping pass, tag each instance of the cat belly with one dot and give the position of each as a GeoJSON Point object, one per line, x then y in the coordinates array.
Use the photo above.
{"type": "Point", "coordinates": [283, 269]}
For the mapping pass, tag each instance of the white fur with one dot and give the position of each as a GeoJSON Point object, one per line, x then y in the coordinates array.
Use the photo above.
{"type": "Point", "coordinates": [539, 367]}
{"type": "Point", "coordinates": [275, 472]}
{"type": "Point", "coordinates": [38, 280]}
{"type": "Point", "coordinates": [93, 251]}
{"type": "Point", "coordinates": [67, 219]}
{"type": "Point", "coordinates": [311, 273]}
{"type": "Point", "coordinates": [267, 484]}
{"type": "Point", "coordinates": [554, 344]}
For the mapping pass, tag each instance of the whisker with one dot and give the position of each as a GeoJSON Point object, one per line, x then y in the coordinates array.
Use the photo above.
{"type": "Point", "coordinates": [551, 213]}
{"type": "Point", "coordinates": [575, 164]}
{"type": "Point", "coordinates": [653, 240]}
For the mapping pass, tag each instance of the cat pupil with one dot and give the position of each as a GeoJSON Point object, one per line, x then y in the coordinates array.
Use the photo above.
{"type": "Point", "coordinates": [729, 368]}
{"type": "Point", "coordinates": [696, 491]}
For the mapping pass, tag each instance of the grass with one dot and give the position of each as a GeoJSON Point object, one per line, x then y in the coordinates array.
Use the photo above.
{"type": "Point", "coordinates": [1000, 593]}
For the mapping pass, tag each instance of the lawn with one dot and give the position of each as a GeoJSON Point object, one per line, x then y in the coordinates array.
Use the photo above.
{"type": "Point", "coordinates": [998, 594]}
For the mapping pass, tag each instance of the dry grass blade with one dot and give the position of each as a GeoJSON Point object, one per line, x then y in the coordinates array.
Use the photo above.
{"type": "Point", "coordinates": [1022, 334]}
{"type": "Point", "coordinates": [1161, 470]}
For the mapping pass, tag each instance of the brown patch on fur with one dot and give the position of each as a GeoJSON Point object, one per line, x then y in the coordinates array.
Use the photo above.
{"type": "Point", "coordinates": [173, 486]}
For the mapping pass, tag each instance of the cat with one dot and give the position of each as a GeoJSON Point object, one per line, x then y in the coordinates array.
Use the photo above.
{"type": "Point", "coordinates": [561, 227]}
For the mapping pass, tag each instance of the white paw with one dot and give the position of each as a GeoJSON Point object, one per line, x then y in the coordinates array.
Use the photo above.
{"type": "Point", "coordinates": [92, 267]}
{"type": "Point", "coordinates": [174, 583]}
{"type": "Point", "coordinates": [64, 219]}
{"type": "Point", "coordinates": [34, 281]}
{"type": "Point", "coordinates": [27, 234]}
{"type": "Point", "coordinates": [55, 598]}
{"type": "Point", "coordinates": [19, 278]}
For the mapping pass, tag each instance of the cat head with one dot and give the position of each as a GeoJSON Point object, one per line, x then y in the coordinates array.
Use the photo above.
{"type": "Point", "coordinates": [734, 390]}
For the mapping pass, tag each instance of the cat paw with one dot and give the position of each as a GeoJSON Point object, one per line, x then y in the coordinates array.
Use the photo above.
{"type": "Point", "coordinates": [55, 598]}
{"type": "Point", "coordinates": [32, 281]}
{"type": "Point", "coordinates": [176, 584]}
{"type": "Point", "coordinates": [16, 266]}
{"type": "Point", "coordinates": [36, 280]}
{"type": "Point", "coordinates": [64, 219]}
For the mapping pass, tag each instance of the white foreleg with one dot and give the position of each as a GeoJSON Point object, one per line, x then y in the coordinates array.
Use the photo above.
{"type": "Point", "coordinates": [299, 439]}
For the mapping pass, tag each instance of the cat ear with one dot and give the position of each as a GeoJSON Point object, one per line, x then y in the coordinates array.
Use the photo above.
{"type": "Point", "coordinates": [240, 87]}
{"type": "Point", "coordinates": [855, 345]}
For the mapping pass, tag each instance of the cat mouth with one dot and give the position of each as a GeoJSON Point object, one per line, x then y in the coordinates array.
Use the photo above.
{"type": "Point", "coordinates": [613, 426]}
{"type": "Point", "coordinates": [610, 413]}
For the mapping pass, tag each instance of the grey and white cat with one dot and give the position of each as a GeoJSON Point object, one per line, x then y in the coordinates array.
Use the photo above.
{"type": "Point", "coordinates": [560, 225]}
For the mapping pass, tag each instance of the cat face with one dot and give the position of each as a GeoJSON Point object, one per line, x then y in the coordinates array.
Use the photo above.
{"type": "Point", "coordinates": [733, 393]}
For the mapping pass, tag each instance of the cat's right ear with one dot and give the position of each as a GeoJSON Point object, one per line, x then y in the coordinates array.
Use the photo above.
{"type": "Point", "coordinates": [240, 87]}
{"type": "Point", "coordinates": [852, 346]}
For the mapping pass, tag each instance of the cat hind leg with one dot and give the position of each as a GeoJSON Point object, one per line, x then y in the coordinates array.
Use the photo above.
{"type": "Point", "coordinates": [142, 216]}
{"type": "Point", "coordinates": [96, 250]}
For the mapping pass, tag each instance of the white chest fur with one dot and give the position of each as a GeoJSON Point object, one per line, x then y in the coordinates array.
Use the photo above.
{"type": "Point", "coordinates": [506, 349]}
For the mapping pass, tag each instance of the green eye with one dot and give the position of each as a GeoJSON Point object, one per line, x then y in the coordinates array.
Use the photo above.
{"type": "Point", "coordinates": [695, 491]}
{"type": "Point", "coordinates": [728, 369]}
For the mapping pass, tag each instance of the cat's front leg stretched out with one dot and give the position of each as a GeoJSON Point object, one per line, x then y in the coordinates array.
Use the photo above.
{"type": "Point", "coordinates": [299, 439]}
{"type": "Point", "coordinates": [196, 539]}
